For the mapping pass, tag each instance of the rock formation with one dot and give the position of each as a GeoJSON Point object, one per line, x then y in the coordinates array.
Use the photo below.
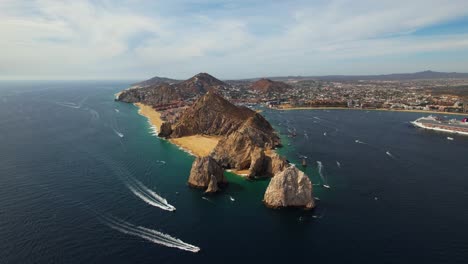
{"type": "Point", "coordinates": [202, 172]}
{"type": "Point", "coordinates": [211, 115]}
{"type": "Point", "coordinates": [291, 187]}
{"type": "Point", "coordinates": [257, 161]}
{"type": "Point", "coordinates": [213, 185]}
{"type": "Point", "coordinates": [165, 130]}
{"type": "Point", "coordinates": [274, 164]}
{"type": "Point", "coordinates": [235, 150]}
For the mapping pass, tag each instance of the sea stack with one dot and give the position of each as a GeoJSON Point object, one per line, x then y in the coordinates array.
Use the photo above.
{"type": "Point", "coordinates": [206, 173]}
{"type": "Point", "coordinates": [289, 188]}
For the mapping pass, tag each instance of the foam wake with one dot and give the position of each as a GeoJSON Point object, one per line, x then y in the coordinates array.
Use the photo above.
{"type": "Point", "coordinates": [147, 234]}
{"type": "Point", "coordinates": [147, 195]}
{"type": "Point", "coordinates": [320, 171]}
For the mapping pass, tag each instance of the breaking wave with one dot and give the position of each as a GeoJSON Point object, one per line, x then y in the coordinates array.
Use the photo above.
{"type": "Point", "coordinates": [147, 234]}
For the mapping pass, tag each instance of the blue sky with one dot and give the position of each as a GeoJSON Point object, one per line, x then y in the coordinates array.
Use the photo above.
{"type": "Point", "coordinates": [136, 39]}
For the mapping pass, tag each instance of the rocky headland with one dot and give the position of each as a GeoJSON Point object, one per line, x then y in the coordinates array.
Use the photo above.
{"type": "Point", "coordinates": [241, 139]}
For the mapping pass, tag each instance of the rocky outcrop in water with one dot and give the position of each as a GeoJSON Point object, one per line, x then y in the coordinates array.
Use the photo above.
{"type": "Point", "coordinates": [289, 188]}
{"type": "Point", "coordinates": [235, 150]}
{"type": "Point", "coordinates": [165, 130]}
{"type": "Point", "coordinates": [202, 172]}
{"type": "Point", "coordinates": [213, 185]}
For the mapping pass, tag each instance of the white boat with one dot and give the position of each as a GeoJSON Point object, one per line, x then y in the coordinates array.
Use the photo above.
{"type": "Point", "coordinates": [232, 198]}
{"type": "Point", "coordinates": [450, 138]}
{"type": "Point", "coordinates": [326, 186]}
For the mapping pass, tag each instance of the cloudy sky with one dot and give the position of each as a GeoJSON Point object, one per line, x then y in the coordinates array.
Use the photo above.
{"type": "Point", "coordinates": [136, 39]}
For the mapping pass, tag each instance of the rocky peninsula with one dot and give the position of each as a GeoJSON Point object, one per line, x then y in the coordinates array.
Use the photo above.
{"type": "Point", "coordinates": [232, 137]}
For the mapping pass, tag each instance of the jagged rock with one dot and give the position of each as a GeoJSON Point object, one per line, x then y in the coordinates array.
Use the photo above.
{"type": "Point", "coordinates": [235, 150]}
{"type": "Point", "coordinates": [275, 164]}
{"type": "Point", "coordinates": [165, 130]}
{"type": "Point", "coordinates": [291, 187]}
{"type": "Point", "coordinates": [211, 115]}
{"type": "Point", "coordinates": [257, 161]}
{"type": "Point", "coordinates": [213, 185]}
{"type": "Point", "coordinates": [203, 169]}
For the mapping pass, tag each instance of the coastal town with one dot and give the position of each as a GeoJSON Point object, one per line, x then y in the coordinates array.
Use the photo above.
{"type": "Point", "coordinates": [450, 95]}
{"type": "Point", "coordinates": [169, 96]}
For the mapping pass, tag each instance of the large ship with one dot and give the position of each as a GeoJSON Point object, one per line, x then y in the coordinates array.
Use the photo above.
{"type": "Point", "coordinates": [450, 126]}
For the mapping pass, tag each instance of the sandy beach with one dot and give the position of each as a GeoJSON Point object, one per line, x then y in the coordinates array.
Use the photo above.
{"type": "Point", "coordinates": [198, 145]}
{"type": "Point", "coordinates": [153, 116]}
{"type": "Point", "coordinates": [384, 110]}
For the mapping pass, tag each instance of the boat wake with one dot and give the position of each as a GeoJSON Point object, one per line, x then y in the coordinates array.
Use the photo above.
{"type": "Point", "coordinates": [147, 234]}
{"type": "Point", "coordinates": [338, 164]}
{"type": "Point", "coordinates": [118, 133]}
{"type": "Point", "coordinates": [69, 105]}
{"type": "Point", "coordinates": [320, 171]}
{"type": "Point", "coordinates": [389, 154]}
{"type": "Point", "coordinates": [147, 195]}
{"type": "Point", "coordinates": [207, 199]}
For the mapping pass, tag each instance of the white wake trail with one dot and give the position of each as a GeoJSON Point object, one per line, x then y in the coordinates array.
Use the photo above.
{"type": "Point", "coordinates": [147, 195]}
{"type": "Point", "coordinates": [148, 234]}
{"type": "Point", "coordinates": [320, 171]}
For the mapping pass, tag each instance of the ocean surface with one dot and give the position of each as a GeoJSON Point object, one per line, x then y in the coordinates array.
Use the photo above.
{"type": "Point", "coordinates": [83, 180]}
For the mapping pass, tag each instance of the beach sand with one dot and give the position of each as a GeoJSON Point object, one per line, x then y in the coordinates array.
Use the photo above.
{"type": "Point", "coordinates": [153, 116]}
{"type": "Point", "coordinates": [198, 145]}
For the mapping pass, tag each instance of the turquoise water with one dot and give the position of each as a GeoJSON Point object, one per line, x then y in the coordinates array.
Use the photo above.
{"type": "Point", "coordinates": [65, 174]}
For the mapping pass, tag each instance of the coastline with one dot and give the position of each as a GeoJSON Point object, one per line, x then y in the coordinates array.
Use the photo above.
{"type": "Point", "coordinates": [196, 145]}
{"type": "Point", "coordinates": [365, 109]}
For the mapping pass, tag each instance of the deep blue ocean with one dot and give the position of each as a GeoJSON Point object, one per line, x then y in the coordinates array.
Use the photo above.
{"type": "Point", "coordinates": [68, 153]}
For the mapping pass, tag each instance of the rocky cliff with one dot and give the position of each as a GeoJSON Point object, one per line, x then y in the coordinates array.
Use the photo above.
{"type": "Point", "coordinates": [235, 150]}
{"type": "Point", "coordinates": [152, 95]}
{"type": "Point", "coordinates": [289, 188]}
{"type": "Point", "coordinates": [211, 115]}
{"type": "Point", "coordinates": [206, 173]}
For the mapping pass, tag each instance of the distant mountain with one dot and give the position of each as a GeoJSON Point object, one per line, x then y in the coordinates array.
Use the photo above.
{"type": "Point", "coordinates": [267, 86]}
{"type": "Point", "coordinates": [155, 81]}
{"type": "Point", "coordinates": [390, 77]}
{"type": "Point", "coordinates": [199, 85]}
{"type": "Point", "coordinates": [162, 92]}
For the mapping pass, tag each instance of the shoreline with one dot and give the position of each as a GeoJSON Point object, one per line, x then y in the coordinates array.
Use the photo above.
{"type": "Point", "coordinates": [196, 145]}
{"type": "Point", "coordinates": [365, 109]}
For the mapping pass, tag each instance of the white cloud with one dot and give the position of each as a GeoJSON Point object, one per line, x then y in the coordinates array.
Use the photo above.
{"type": "Point", "coordinates": [105, 39]}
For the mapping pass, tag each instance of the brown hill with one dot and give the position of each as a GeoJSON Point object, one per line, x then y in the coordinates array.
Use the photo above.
{"type": "Point", "coordinates": [160, 93]}
{"type": "Point", "coordinates": [211, 115]}
{"type": "Point", "coordinates": [267, 86]}
{"type": "Point", "coordinates": [199, 84]}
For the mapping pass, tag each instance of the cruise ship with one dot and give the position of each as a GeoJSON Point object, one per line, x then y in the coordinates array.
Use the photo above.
{"type": "Point", "coordinates": [438, 124]}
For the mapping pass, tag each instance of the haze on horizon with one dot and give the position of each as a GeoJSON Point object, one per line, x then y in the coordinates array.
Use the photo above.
{"type": "Point", "coordinates": [135, 39]}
